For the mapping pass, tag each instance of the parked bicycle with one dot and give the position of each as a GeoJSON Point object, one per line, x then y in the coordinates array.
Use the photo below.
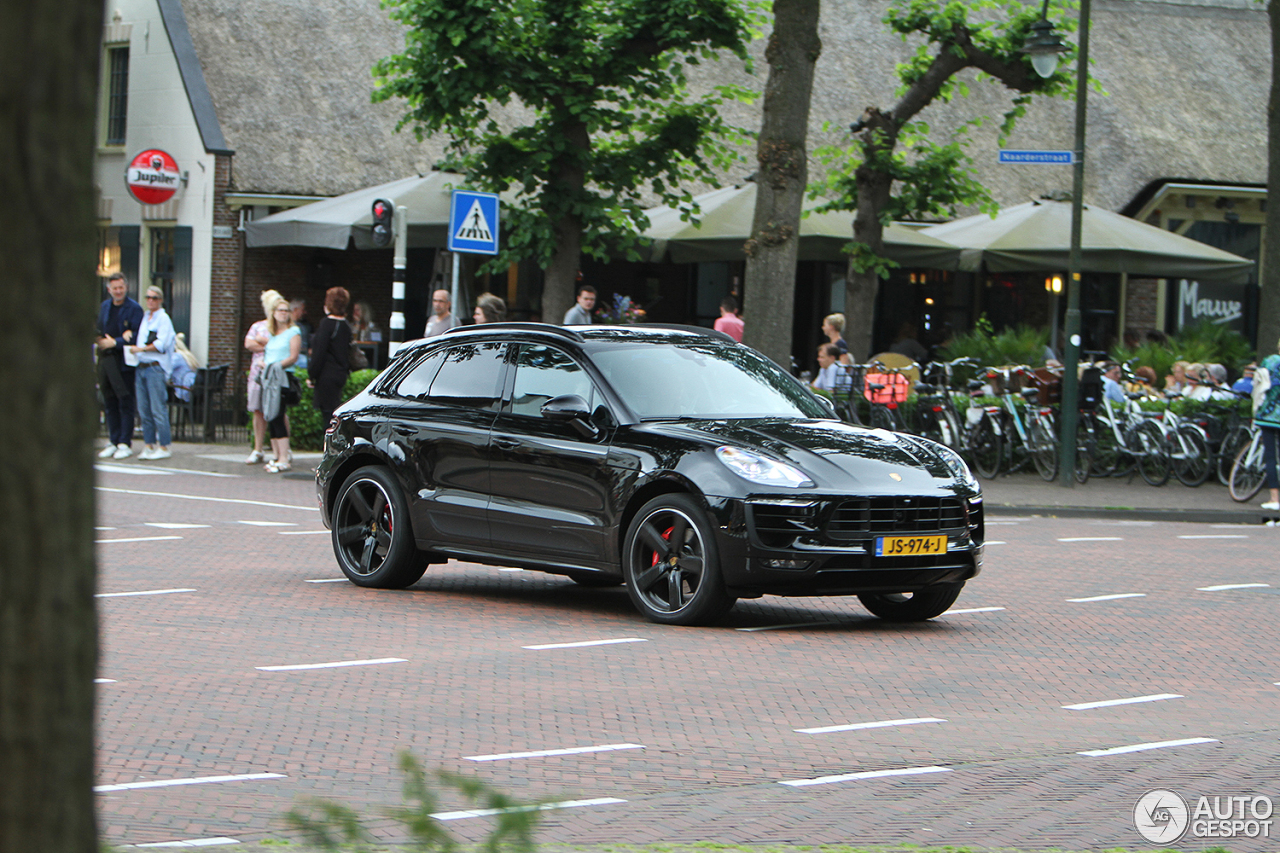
{"type": "Point", "coordinates": [1247, 471]}
{"type": "Point", "coordinates": [1124, 439]}
{"type": "Point", "coordinates": [936, 415]}
{"type": "Point", "coordinates": [1007, 437]}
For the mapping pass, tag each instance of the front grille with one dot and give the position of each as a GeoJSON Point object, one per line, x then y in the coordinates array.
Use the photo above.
{"type": "Point", "coordinates": [858, 518]}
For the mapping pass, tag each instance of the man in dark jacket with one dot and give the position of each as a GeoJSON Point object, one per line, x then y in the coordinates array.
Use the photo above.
{"type": "Point", "coordinates": [118, 322]}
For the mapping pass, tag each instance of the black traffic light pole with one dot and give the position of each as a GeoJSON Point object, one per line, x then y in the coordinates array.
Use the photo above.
{"type": "Point", "coordinates": [390, 224]}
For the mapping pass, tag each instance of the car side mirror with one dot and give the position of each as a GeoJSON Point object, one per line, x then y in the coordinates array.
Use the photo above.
{"type": "Point", "coordinates": [571, 409]}
{"type": "Point", "coordinates": [828, 404]}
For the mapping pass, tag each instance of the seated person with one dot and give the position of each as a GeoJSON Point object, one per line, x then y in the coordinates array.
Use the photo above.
{"type": "Point", "coordinates": [1244, 385]}
{"type": "Point", "coordinates": [1111, 389]}
{"type": "Point", "coordinates": [832, 376]}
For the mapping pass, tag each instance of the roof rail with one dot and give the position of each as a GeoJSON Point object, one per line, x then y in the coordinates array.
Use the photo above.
{"type": "Point", "coordinates": [545, 328]}
{"type": "Point", "coordinates": [682, 327]}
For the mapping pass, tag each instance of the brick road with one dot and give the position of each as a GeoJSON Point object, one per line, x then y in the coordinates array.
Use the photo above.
{"type": "Point", "coordinates": [715, 709]}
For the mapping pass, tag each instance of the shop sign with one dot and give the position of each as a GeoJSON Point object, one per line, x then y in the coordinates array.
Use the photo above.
{"type": "Point", "coordinates": [1212, 302]}
{"type": "Point", "coordinates": [152, 177]}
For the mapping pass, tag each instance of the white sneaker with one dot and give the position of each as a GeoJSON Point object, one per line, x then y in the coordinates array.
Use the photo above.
{"type": "Point", "coordinates": [160, 453]}
{"type": "Point", "coordinates": [1271, 505]}
{"type": "Point", "coordinates": [147, 453]}
{"type": "Point", "coordinates": [107, 452]}
{"type": "Point", "coordinates": [122, 452]}
{"type": "Point", "coordinates": [254, 458]}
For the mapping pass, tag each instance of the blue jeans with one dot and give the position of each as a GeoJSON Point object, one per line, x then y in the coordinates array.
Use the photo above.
{"type": "Point", "coordinates": [1270, 452]}
{"type": "Point", "coordinates": [153, 404]}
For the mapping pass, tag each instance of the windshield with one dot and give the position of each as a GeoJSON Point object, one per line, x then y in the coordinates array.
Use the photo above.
{"type": "Point", "coordinates": [703, 380]}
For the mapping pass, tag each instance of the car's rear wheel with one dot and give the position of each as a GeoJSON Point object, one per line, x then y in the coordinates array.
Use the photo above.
{"type": "Point", "coordinates": [912, 606]}
{"type": "Point", "coordinates": [372, 538]}
{"type": "Point", "coordinates": [670, 563]}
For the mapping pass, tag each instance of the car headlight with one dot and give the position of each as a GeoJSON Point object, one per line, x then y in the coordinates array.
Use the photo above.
{"type": "Point", "coordinates": [956, 465]}
{"type": "Point", "coordinates": [761, 469]}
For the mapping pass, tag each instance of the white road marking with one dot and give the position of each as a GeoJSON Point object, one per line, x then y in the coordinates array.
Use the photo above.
{"type": "Point", "coordinates": [152, 469]}
{"type": "Point", "coordinates": [1142, 747]}
{"type": "Point", "coordinates": [324, 580]}
{"type": "Point", "coordinates": [586, 643]}
{"type": "Point", "coordinates": [973, 610]}
{"type": "Point", "coordinates": [1006, 523]}
{"type": "Point", "coordinates": [995, 542]}
{"type": "Point", "coordinates": [271, 523]}
{"type": "Point", "coordinates": [791, 625]}
{"type": "Point", "coordinates": [1215, 536]}
{"type": "Point", "coordinates": [192, 842]}
{"type": "Point", "coordinates": [301, 532]}
{"type": "Point", "coordinates": [1155, 697]}
{"type": "Point", "coordinates": [871, 774]}
{"type": "Point", "coordinates": [204, 498]}
{"type": "Point", "coordinates": [1109, 597]}
{"type": "Point", "coordinates": [331, 665]}
{"type": "Point", "coordinates": [104, 528]}
{"type": "Point", "coordinates": [136, 539]}
{"type": "Point", "coordinates": [175, 525]}
{"type": "Point", "coordinates": [1092, 539]}
{"type": "Point", "coordinates": [199, 780]}
{"type": "Point", "coordinates": [1222, 586]}
{"type": "Point", "coordinates": [567, 804]}
{"type": "Point", "coordinates": [143, 592]}
{"type": "Point", "coordinates": [510, 570]}
{"type": "Point", "coordinates": [882, 724]}
{"type": "Point", "coordinates": [104, 681]}
{"type": "Point", "coordinates": [540, 753]}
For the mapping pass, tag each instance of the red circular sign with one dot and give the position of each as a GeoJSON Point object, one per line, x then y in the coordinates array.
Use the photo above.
{"type": "Point", "coordinates": [152, 177]}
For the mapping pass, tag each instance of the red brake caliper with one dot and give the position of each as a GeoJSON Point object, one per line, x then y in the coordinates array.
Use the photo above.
{"type": "Point", "coordinates": [666, 535]}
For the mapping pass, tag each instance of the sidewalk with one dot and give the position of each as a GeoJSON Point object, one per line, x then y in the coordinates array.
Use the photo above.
{"type": "Point", "coordinates": [1016, 494]}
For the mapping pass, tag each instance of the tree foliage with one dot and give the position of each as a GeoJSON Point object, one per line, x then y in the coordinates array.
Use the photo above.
{"type": "Point", "coordinates": [605, 112]}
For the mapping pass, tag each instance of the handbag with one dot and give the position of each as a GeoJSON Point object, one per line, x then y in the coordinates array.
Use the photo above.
{"type": "Point", "coordinates": [357, 358]}
{"type": "Point", "coordinates": [291, 392]}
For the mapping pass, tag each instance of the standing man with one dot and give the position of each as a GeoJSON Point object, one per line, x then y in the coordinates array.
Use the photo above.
{"type": "Point", "coordinates": [154, 346]}
{"type": "Point", "coordinates": [118, 322]}
{"type": "Point", "coordinates": [729, 322]}
{"type": "Point", "coordinates": [580, 314]}
{"type": "Point", "coordinates": [442, 318]}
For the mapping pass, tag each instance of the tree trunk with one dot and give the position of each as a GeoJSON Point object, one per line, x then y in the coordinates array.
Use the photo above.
{"type": "Point", "coordinates": [560, 278]}
{"type": "Point", "coordinates": [769, 289]}
{"type": "Point", "coordinates": [48, 630]}
{"type": "Point", "coordinates": [873, 187]}
{"type": "Point", "coordinates": [1269, 275]}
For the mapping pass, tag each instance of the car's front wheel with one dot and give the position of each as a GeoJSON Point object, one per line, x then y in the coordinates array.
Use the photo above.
{"type": "Point", "coordinates": [372, 538]}
{"type": "Point", "coordinates": [671, 565]}
{"type": "Point", "coordinates": [912, 606]}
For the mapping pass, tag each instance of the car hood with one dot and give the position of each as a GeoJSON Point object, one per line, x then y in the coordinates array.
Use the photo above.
{"type": "Point", "coordinates": [833, 453]}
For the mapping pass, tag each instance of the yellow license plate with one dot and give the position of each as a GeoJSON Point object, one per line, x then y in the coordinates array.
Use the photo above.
{"type": "Point", "coordinates": [910, 546]}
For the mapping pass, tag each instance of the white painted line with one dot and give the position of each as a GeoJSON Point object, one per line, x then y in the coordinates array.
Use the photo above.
{"type": "Point", "coordinates": [872, 774]}
{"type": "Point", "coordinates": [302, 532]}
{"type": "Point", "coordinates": [973, 610]}
{"type": "Point", "coordinates": [995, 542]}
{"type": "Point", "coordinates": [510, 570]}
{"type": "Point", "coordinates": [1233, 526]}
{"type": "Point", "coordinates": [136, 539]}
{"type": "Point", "coordinates": [332, 665]}
{"type": "Point", "coordinates": [143, 592]}
{"type": "Point", "coordinates": [882, 724]}
{"type": "Point", "coordinates": [541, 753]}
{"type": "Point", "coordinates": [136, 470]}
{"type": "Point", "coordinates": [175, 525]}
{"type": "Point", "coordinates": [1004, 523]}
{"type": "Point", "coordinates": [1110, 703]}
{"type": "Point", "coordinates": [1215, 536]}
{"type": "Point", "coordinates": [201, 498]}
{"type": "Point", "coordinates": [1093, 539]}
{"type": "Point", "coordinates": [324, 580]}
{"type": "Point", "coordinates": [271, 523]}
{"type": "Point", "coordinates": [586, 643]}
{"type": "Point", "coordinates": [193, 842]}
{"type": "Point", "coordinates": [200, 780]}
{"type": "Point", "coordinates": [104, 681]}
{"type": "Point", "coordinates": [1109, 597]}
{"type": "Point", "coordinates": [792, 625]}
{"type": "Point", "coordinates": [1221, 587]}
{"type": "Point", "coordinates": [1141, 747]}
{"type": "Point", "coordinates": [567, 804]}
{"type": "Point", "coordinates": [104, 528]}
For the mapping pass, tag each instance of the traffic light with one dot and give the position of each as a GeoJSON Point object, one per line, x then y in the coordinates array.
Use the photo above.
{"type": "Point", "coordinates": [382, 227]}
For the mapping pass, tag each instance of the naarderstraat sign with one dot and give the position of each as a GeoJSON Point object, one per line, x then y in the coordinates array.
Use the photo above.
{"type": "Point", "coordinates": [152, 177]}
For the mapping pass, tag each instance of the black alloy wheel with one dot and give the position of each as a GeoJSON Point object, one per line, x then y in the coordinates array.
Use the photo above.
{"type": "Point", "coordinates": [912, 606]}
{"type": "Point", "coordinates": [671, 565]}
{"type": "Point", "coordinates": [372, 538]}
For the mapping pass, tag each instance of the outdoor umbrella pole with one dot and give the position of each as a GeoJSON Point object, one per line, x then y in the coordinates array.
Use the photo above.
{"type": "Point", "coordinates": [1071, 363]}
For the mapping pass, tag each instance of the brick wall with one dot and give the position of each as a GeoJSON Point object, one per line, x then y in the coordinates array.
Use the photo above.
{"type": "Point", "coordinates": [225, 275]}
{"type": "Point", "coordinates": [1140, 305]}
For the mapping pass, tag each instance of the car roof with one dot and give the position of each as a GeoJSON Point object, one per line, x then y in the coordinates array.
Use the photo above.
{"type": "Point", "coordinates": [640, 332]}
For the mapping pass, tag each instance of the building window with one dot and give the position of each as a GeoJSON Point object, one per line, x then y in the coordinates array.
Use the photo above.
{"type": "Point", "coordinates": [117, 94]}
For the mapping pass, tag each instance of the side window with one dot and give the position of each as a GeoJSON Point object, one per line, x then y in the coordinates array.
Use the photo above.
{"type": "Point", "coordinates": [469, 375]}
{"type": "Point", "coordinates": [417, 383]}
{"type": "Point", "coordinates": [543, 373]}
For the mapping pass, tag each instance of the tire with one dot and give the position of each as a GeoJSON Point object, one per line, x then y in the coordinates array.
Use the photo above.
{"type": "Point", "coordinates": [912, 606]}
{"type": "Point", "coordinates": [930, 426]}
{"type": "Point", "coordinates": [1190, 456]}
{"type": "Point", "coordinates": [1231, 444]}
{"type": "Point", "coordinates": [1246, 473]}
{"type": "Point", "coordinates": [372, 536]}
{"type": "Point", "coordinates": [1105, 459]}
{"type": "Point", "coordinates": [1150, 451]}
{"type": "Point", "coordinates": [680, 585]}
{"type": "Point", "coordinates": [594, 580]}
{"type": "Point", "coordinates": [1043, 447]}
{"type": "Point", "coordinates": [985, 448]}
{"type": "Point", "coordinates": [883, 418]}
{"type": "Point", "coordinates": [949, 426]}
{"type": "Point", "coordinates": [1084, 449]}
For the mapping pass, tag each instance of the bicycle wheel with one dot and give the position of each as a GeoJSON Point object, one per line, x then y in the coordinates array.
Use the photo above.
{"type": "Point", "coordinates": [1246, 472]}
{"type": "Point", "coordinates": [928, 425]}
{"type": "Point", "coordinates": [1084, 448]}
{"type": "Point", "coordinates": [1105, 459]}
{"type": "Point", "coordinates": [1231, 444]}
{"type": "Point", "coordinates": [949, 425]}
{"type": "Point", "coordinates": [883, 418]}
{"type": "Point", "coordinates": [985, 448]}
{"type": "Point", "coordinates": [1146, 444]}
{"type": "Point", "coordinates": [1189, 453]}
{"type": "Point", "coordinates": [1043, 446]}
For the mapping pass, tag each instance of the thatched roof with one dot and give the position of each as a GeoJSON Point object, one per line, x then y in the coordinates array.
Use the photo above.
{"type": "Point", "coordinates": [1186, 84]}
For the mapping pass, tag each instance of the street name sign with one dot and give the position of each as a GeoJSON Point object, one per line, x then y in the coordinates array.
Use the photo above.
{"type": "Point", "coordinates": [1054, 158]}
{"type": "Point", "coordinates": [473, 222]}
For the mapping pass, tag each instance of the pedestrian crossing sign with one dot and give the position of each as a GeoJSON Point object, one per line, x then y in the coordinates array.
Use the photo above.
{"type": "Point", "coordinates": [473, 222]}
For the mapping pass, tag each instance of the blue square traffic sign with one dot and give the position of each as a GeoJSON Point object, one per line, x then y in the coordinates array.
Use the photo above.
{"type": "Point", "coordinates": [473, 222]}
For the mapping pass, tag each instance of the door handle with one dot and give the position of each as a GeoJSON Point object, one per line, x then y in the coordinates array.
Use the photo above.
{"type": "Point", "coordinates": [506, 443]}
